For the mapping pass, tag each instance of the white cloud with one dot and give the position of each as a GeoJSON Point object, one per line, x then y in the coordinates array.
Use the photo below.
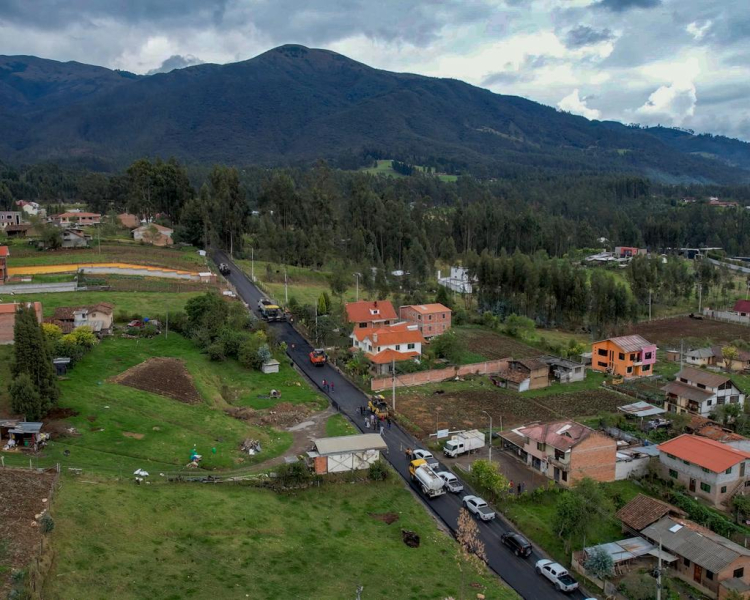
{"type": "Point", "coordinates": [698, 31]}
{"type": "Point", "coordinates": [573, 103]}
{"type": "Point", "coordinates": [670, 104]}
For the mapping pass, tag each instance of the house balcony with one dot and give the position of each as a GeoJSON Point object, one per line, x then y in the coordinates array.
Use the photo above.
{"type": "Point", "coordinates": [560, 464]}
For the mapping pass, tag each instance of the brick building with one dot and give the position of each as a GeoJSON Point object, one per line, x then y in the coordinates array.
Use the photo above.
{"type": "Point", "coordinates": [8, 319]}
{"type": "Point", "coordinates": [430, 319]}
{"type": "Point", "coordinates": [385, 346]}
{"type": "Point", "coordinates": [565, 451]}
{"type": "Point", "coordinates": [4, 254]}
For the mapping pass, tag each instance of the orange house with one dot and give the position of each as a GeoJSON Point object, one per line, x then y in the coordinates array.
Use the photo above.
{"type": "Point", "coordinates": [629, 356]}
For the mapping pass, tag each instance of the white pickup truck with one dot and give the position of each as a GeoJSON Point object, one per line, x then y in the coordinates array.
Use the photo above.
{"type": "Point", "coordinates": [425, 455]}
{"type": "Point", "coordinates": [557, 574]}
{"type": "Point", "coordinates": [479, 508]}
{"type": "Point", "coordinates": [452, 482]}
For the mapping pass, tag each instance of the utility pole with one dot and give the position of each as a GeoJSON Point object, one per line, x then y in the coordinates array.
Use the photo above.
{"type": "Point", "coordinates": [700, 296]}
{"type": "Point", "coordinates": [357, 275]}
{"type": "Point", "coordinates": [490, 416]}
{"type": "Point", "coordinates": [231, 244]}
{"type": "Point", "coordinates": [681, 356]}
{"type": "Point", "coordinates": [658, 575]}
{"type": "Point", "coordinates": [286, 289]}
{"type": "Point", "coordinates": [649, 304]}
{"type": "Point", "coordinates": [252, 265]}
{"type": "Point", "coordinates": [437, 422]}
{"type": "Point", "coordinates": [166, 334]}
{"type": "Point", "coordinates": [99, 235]}
{"type": "Point", "coordinates": [393, 375]}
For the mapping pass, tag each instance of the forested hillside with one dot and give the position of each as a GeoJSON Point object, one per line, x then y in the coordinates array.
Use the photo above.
{"type": "Point", "coordinates": [294, 105]}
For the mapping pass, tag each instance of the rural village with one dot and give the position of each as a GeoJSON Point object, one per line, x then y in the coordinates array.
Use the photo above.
{"type": "Point", "coordinates": [134, 361]}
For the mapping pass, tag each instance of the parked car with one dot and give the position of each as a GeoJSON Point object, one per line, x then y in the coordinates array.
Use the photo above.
{"type": "Point", "coordinates": [519, 544]}
{"type": "Point", "coordinates": [425, 455]}
{"type": "Point", "coordinates": [479, 508]}
{"type": "Point", "coordinates": [451, 482]}
{"type": "Point", "coordinates": [557, 574]}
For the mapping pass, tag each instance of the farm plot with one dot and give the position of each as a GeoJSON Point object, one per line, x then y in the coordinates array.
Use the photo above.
{"type": "Point", "coordinates": [461, 406]}
{"type": "Point", "coordinates": [164, 376]}
{"type": "Point", "coordinates": [488, 345]}
{"type": "Point", "coordinates": [669, 332]}
{"type": "Point", "coordinates": [21, 499]}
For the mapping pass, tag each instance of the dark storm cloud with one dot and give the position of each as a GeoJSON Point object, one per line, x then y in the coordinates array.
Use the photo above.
{"type": "Point", "coordinates": [585, 36]}
{"type": "Point", "coordinates": [623, 5]}
{"type": "Point", "coordinates": [176, 61]}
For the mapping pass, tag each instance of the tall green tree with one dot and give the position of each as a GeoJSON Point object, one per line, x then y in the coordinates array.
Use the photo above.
{"type": "Point", "coordinates": [25, 399]}
{"type": "Point", "coordinates": [31, 356]}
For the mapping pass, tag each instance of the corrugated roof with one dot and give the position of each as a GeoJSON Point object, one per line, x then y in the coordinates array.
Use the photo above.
{"type": "Point", "coordinates": [365, 311]}
{"type": "Point", "coordinates": [643, 510]}
{"type": "Point", "coordinates": [532, 363]}
{"type": "Point", "coordinates": [714, 456]}
{"type": "Point", "coordinates": [559, 362]}
{"type": "Point", "coordinates": [700, 376]}
{"type": "Point", "coordinates": [701, 353]}
{"type": "Point", "coordinates": [630, 343]}
{"type": "Point", "coordinates": [641, 409]}
{"type": "Point", "coordinates": [350, 443]}
{"type": "Point", "coordinates": [704, 548]}
{"type": "Point", "coordinates": [388, 356]}
{"type": "Point", "coordinates": [684, 390]}
{"type": "Point", "coordinates": [562, 435]}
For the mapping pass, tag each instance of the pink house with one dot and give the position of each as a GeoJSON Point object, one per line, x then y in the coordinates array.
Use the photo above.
{"type": "Point", "coordinates": [430, 319]}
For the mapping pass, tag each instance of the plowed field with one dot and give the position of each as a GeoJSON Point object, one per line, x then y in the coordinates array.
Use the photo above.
{"type": "Point", "coordinates": [670, 331]}
{"type": "Point", "coordinates": [164, 376]}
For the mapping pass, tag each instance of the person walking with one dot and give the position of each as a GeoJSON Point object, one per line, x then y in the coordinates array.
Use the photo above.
{"type": "Point", "coordinates": [388, 419]}
{"type": "Point", "coordinates": [325, 385]}
{"type": "Point", "coordinates": [332, 387]}
{"type": "Point", "coordinates": [382, 429]}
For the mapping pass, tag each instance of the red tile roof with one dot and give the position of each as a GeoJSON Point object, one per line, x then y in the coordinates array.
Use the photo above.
{"type": "Point", "coordinates": [400, 333]}
{"type": "Point", "coordinates": [714, 456]}
{"type": "Point", "coordinates": [367, 312]}
{"type": "Point", "coordinates": [642, 510]}
{"type": "Point", "coordinates": [742, 306]}
{"type": "Point", "coordinates": [388, 355]}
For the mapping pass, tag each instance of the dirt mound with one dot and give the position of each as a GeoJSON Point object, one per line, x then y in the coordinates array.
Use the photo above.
{"type": "Point", "coordinates": [283, 414]}
{"type": "Point", "coordinates": [164, 376]}
{"type": "Point", "coordinates": [21, 494]}
{"type": "Point", "coordinates": [58, 413]}
{"type": "Point", "coordinates": [387, 518]}
{"type": "Point", "coordinates": [410, 538]}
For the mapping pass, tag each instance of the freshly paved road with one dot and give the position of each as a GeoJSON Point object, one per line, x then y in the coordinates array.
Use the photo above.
{"type": "Point", "coordinates": [517, 572]}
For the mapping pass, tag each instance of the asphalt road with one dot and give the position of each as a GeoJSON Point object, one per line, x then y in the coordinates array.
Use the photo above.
{"type": "Point", "coordinates": [517, 572]}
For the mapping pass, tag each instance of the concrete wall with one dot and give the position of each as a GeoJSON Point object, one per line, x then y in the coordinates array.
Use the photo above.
{"type": "Point", "coordinates": [625, 469]}
{"type": "Point", "coordinates": [436, 375]}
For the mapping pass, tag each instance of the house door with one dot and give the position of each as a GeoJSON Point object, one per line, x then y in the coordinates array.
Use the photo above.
{"type": "Point", "coordinates": [557, 474]}
{"type": "Point", "coordinates": [692, 485]}
{"type": "Point", "coordinates": [697, 573]}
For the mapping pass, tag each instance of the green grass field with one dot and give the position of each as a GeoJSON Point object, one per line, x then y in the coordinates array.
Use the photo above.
{"type": "Point", "coordinates": [337, 425]}
{"type": "Point", "coordinates": [142, 303]}
{"type": "Point", "coordinates": [195, 541]}
{"type": "Point", "coordinates": [383, 167]}
{"type": "Point", "coordinates": [121, 427]}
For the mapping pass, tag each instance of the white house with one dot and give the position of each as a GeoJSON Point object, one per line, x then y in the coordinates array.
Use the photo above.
{"type": "Point", "coordinates": [458, 281]}
{"type": "Point", "coordinates": [699, 392]}
{"type": "Point", "coordinates": [346, 453]}
{"type": "Point", "coordinates": [385, 345]}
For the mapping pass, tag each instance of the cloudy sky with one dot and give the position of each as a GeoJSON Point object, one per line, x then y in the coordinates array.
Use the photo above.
{"type": "Point", "coordinates": [682, 63]}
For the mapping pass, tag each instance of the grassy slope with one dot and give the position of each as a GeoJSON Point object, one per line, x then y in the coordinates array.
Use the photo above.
{"type": "Point", "coordinates": [383, 167]}
{"type": "Point", "coordinates": [122, 541]}
{"type": "Point", "coordinates": [143, 303]}
{"type": "Point", "coordinates": [170, 428]}
{"type": "Point", "coordinates": [337, 425]}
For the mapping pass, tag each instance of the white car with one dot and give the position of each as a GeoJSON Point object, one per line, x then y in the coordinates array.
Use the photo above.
{"type": "Point", "coordinates": [557, 574]}
{"type": "Point", "coordinates": [479, 508]}
{"type": "Point", "coordinates": [451, 482]}
{"type": "Point", "coordinates": [425, 455]}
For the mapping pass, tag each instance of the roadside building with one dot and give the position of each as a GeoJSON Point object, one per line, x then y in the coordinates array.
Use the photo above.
{"type": "Point", "coordinates": [9, 217]}
{"type": "Point", "coordinates": [644, 510]}
{"type": "Point", "coordinates": [129, 220]}
{"type": "Point", "coordinates": [376, 313]}
{"type": "Point", "coordinates": [564, 451]}
{"type": "Point", "coordinates": [430, 319]}
{"type": "Point", "coordinates": [346, 453]}
{"type": "Point", "coordinates": [708, 469]}
{"type": "Point", "coordinates": [628, 356]}
{"type": "Point", "coordinates": [709, 562]}
{"type": "Point", "coordinates": [21, 230]}
{"type": "Point", "coordinates": [563, 370]}
{"type": "Point", "coordinates": [4, 254]}
{"type": "Point", "coordinates": [8, 319]}
{"type": "Point", "coordinates": [737, 361]}
{"type": "Point", "coordinates": [523, 375]}
{"type": "Point", "coordinates": [700, 357]}
{"type": "Point", "coordinates": [156, 235]}
{"type": "Point", "coordinates": [385, 346]}
{"type": "Point", "coordinates": [699, 392]}
{"type": "Point", "coordinates": [629, 251]}
{"type": "Point", "coordinates": [80, 219]}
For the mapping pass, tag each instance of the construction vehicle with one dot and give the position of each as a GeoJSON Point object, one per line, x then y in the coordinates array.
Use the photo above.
{"type": "Point", "coordinates": [270, 311]}
{"type": "Point", "coordinates": [466, 441]}
{"type": "Point", "coordinates": [378, 406]}
{"type": "Point", "coordinates": [318, 357]}
{"type": "Point", "coordinates": [422, 474]}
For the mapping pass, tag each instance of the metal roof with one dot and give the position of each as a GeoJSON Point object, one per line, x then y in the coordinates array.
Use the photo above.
{"type": "Point", "coordinates": [683, 390]}
{"type": "Point", "coordinates": [625, 549]}
{"type": "Point", "coordinates": [704, 377]}
{"type": "Point", "coordinates": [27, 427]}
{"type": "Point", "coordinates": [630, 343]}
{"type": "Point", "coordinates": [560, 362]}
{"type": "Point", "coordinates": [350, 443]}
{"type": "Point", "coordinates": [701, 353]}
{"type": "Point", "coordinates": [705, 548]}
{"type": "Point", "coordinates": [641, 409]}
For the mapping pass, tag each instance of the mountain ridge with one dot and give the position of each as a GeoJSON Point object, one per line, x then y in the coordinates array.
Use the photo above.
{"type": "Point", "coordinates": [293, 104]}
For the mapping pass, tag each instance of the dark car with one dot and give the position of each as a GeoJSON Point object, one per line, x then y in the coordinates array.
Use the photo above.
{"type": "Point", "coordinates": [519, 544]}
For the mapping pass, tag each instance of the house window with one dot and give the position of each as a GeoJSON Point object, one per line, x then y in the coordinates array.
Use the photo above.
{"type": "Point", "coordinates": [728, 471]}
{"type": "Point", "coordinates": [559, 454]}
{"type": "Point", "coordinates": [429, 318]}
{"type": "Point", "coordinates": [670, 455]}
{"type": "Point", "coordinates": [723, 489]}
{"type": "Point", "coordinates": [734, 399]}
{"type": "Point", "coordinates": [398, 346]}
{"type": "Point", "coordinates": [704, 469]}
{"type": "Point", "coordinates": [687, 462]}
{"type": "Point", "coordinates": [541, 446]}
{"type": "Point", "coordinates": [705, 488]}
{"type": "Point", "coordinates": [564, 475]}
{"type": "Point", "coordinates": [410, 346]}
{"type": "Point", "coordinates": [710, 575]}
{"type": "Point", "coordinates": [602, 364]}
{"type": "Point", "coordinates": [701, 386]}
{"type": "Point", "coordinates": [630, 369]}
{"type": "Point", "coordinates": [633, 357]}
{"type": "Point", "coordinates": [602, 352]}
{"type": "Point", "coordinates": [362, 325]}
{"type": "Point", "coordinates": [648, 355]}
{"type": "Point", "coordinates": [709, 403]}
{"type": "Point", "coordinates": [621, 356]}
{"type": "Point", "coordinates": [673, 473]}
{"type": "Point", "coordinates": [742, 469]}
{"type": "Point", "coordinates": [444, 315]}
{"type": "Point", "coordinates": [646, 368]}
{"type": "Point", "coordinates": [739, 573]}
{"type": "Point", "coordinates": [686, 561]}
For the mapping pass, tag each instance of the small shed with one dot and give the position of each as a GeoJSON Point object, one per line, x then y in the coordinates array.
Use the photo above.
{"type": "Point", "coordinates": [346, 453]}
{"type": "Point", "coordinates": [270, 366]}
{"type": "Point", "coordinates": [62, 364]}
{"type": "Point", "coordinates": [641, 410]}
{"type": "Point", "coordinates": [27, 434]}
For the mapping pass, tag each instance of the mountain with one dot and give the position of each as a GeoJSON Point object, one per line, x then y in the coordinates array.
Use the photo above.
{"type": "Point", "coordinates": [294, 104]}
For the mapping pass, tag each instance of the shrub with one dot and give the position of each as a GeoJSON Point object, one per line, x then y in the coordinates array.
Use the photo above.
{"type": "Point", "coordinates": [215, 351]}
{"type": "Point", "coordinates": [292, 474]}
{"type": "Point", "coordinates": [378, 471]}
{"type": "Point", "coordinates": [46, 523]}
